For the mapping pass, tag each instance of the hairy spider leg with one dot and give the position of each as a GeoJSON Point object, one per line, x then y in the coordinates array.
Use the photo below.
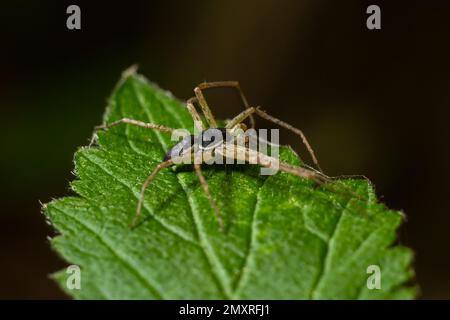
{"type": "Point", "coordinates": [221, 84]}
{"type": "Point", "coordinates": [245, 154]}
{"type": "Point", "coordinates": [133, 122]}
{"type": "Point", "coordinates": [200, 176]}
{"type": "Point", "coordinates": [198, 123]}
{"type": "Point", "coordinates": [197, 120]}
{"type": "Point", "coordinates": [244, 114]}
{"type": "Point", "coordinates": [204, 183]}
{"type": "Point", "coordinates": [144, 187]}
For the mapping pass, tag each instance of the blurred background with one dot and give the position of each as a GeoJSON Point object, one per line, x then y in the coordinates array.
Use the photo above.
{"type": "Point", "coordinates": [371, 102]}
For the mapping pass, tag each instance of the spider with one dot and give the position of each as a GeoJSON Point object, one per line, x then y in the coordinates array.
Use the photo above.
{"type": "Point", "coordinates": [199, 146]}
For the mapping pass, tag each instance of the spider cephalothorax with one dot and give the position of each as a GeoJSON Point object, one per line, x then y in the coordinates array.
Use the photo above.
{"type": "Point", "coordinates": [208, 139]}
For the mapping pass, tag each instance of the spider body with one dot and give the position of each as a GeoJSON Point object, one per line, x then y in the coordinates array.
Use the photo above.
{"type": "Point", "coordinates": [210, 138]}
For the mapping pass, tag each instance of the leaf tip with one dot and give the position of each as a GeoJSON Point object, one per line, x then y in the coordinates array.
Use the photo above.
{"type": "Point", "coordinates": [130, 71]}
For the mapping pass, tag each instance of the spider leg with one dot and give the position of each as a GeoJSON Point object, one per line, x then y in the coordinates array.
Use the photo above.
{"type": "Point", "coordinates": [198, 123]}
{"type": "Point", "coordinates": [291, 128]}
{"type": "Point", "coordinates": [315, 176]}
{"type": "Point", "coordinates": [321, 180]}
{"type": "Point", "coordinates": [252, 156]}
{"type": "Point", "coordinates": [147, 182]}
{"type": "Point", "coordinates": [240, 117]}
{"type": "Point", "coordinates": [205, 108]}
{"type": "Point", "coordinates": [228, 84]}
{"type": "Point", "coordinates": [131, 122]}
{"type": "Point", "coordinates": [135, 123]}
{"type": "Point", "coordinates": [261, 159]}
{"type": "Point", "coordinates": [243, 115]}
{"type": "Point", "coordinates": [328, 183]}
{"type": "Point", "coordinates": [205, 186]}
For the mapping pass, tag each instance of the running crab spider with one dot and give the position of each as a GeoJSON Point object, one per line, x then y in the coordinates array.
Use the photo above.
{"type": "Point", "coordinates": [195, 146]}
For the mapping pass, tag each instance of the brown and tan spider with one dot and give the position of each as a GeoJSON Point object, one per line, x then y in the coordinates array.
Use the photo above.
{"type": "Point", "coordinates": [206, 143]}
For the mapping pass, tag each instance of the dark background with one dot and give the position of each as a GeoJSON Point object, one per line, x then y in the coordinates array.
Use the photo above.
{"type": "Point", "coordinates": [371, 102]}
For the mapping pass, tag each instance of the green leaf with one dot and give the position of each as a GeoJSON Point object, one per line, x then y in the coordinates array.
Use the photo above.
{"type": "Point", "coordinates": [284, 238]}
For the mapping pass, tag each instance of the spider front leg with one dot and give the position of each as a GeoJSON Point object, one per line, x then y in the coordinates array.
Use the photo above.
{"type": "Point", "coordinates": [244, 114]}
{"type": "Point", "coordinates": [133, 122]}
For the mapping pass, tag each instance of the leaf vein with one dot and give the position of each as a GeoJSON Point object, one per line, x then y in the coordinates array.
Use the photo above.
{"type": "Point", "coordinates": [122, 258]}
{"type": "Point", "coordinates": [172, 229]}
